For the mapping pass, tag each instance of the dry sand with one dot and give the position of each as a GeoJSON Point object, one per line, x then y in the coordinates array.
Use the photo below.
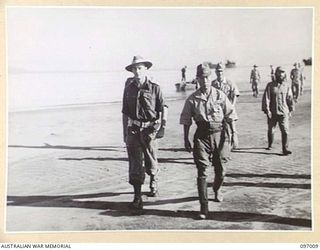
{"type": "Point", "coordinates": [67, 171]}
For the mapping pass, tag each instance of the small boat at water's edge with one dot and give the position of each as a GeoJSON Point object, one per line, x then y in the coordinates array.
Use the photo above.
{"type": "Point", "coordinates": [230, 64]}
{"type": "Point", "coordinates": [307, 62]}
{"type": "Point", "coordinates": [186, 86]}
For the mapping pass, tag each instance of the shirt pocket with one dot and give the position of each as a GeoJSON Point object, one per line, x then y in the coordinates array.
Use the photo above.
{"type": "Point", "coordinates": [147, 106]}
{"type": "Point", "coordinates": [146, 100]}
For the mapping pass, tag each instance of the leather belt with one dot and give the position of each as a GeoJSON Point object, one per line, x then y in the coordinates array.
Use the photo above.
{"type": "Point", "coordinates": [139, 123]}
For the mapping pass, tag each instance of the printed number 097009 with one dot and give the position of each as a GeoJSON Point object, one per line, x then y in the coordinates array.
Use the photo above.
{"type": "Point", "coordinates": [309, 245]}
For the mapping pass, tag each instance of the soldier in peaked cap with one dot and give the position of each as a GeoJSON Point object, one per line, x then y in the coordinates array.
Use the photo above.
{"type": "Point", "coordinates": [255, 80]}
{"type": "Point", "coordinates": [208, 107]}
{"type": "Point", "coordinates": [144, 119]}
{"type": "Point", "coordinates": [277, 104]}
{"type": "Point", "coordinates": [229, 135]}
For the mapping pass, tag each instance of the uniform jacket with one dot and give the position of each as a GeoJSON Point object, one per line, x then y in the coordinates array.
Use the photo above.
{"type": "Point", "coordinates": [277, 99]}
{"type": "Point", "coordinates": [255, 75]}
{"type": "Point", "coordinates": [296, 76]}
{"type": "Point", "coordinates": [230, 90]}
{"type": "Point", "coordinates": [142, 104]}
{"type": "Point", "coordinates": [215, 108]}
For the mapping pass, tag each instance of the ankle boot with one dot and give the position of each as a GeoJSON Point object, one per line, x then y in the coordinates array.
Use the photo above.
{"type": "Point", "coordinates": [216, 187]}
{"type": "Point", "coordinates": [203, 197]}
{"type": "Point", "coordinates": [137, 203]}
{"type": "Point", "coordinates": [153, 186]}
{"type": "Point", "coordinates": [203, 211]}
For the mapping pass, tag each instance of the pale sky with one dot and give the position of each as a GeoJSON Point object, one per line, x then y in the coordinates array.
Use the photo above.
{"type": "Point", "coordinates": [100, 39]}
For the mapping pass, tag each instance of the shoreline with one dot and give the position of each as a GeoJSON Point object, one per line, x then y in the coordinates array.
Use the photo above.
{"type": "Point", "coordinates": [69, 170]}
{"type": "Point", "coordinates": [183, 96]}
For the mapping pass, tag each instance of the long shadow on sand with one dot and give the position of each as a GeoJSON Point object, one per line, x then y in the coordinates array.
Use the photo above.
{"type": "Point", "coordinates": [284, 176]}
{"type": "Point", "coordinates": [97, 148]}
{"type": "Point", "coordinates": [265, 185]}
{"type": "Point", "coordinates": [48, 146]}
{"type": "Point", "coordinates": [121, 209]}
{"type": "Point", "coordinates": [241, 151]}
{"type": "Point", "coordinates": [250, 148]}
{"type": "Point", "coordinates": [172, 149]}
{"type": "Point", "coordinates": [160, 160]}
{"type": "Point", "coordinates": [226, 216]}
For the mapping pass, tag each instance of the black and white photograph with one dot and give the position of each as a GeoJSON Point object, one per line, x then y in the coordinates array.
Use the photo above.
{"type": "Point", "coordinates": [159, 118]}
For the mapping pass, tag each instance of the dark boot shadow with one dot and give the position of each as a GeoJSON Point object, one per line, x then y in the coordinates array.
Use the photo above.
{"type": "Point", "coordinates": [116, 209]}
{"type": "Point", "coordinates": [238, 150]}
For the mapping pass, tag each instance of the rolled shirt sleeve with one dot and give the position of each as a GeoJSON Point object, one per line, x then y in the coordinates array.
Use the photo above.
{"type": "Point", "coordinates": [236, 90]}
{"type": "Point", "coordinates": [229, 114]}
{"type": "Point", "coordinates": [289, 99]}
{"type": "Point", "coordinates": [186, 114]}
{"type": "Point", "coordinates": [160, 103]}
{"type": "Point", "coordinates": [265, 107]}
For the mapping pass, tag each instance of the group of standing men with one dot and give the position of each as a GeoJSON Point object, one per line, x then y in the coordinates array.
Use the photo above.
{"type": "Point", "coordinates": [296, 76]}
{"type": "Point", "coordinates": [211, 107]}
{"type": "Point", "coordinates": [297, 79]}
{"type": "Point", "coordinates": [278, 101]}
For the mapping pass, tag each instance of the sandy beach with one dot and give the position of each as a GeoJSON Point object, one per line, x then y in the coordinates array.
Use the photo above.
{"type": "Point", "coordinates": [68, 171]}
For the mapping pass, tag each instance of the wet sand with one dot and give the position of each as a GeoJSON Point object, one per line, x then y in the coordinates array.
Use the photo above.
{"type": "Point", "coordinates": [68, 171]}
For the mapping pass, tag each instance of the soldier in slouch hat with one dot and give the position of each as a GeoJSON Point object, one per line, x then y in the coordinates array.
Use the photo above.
{"type": "Point", "coordinates": [144, 119]}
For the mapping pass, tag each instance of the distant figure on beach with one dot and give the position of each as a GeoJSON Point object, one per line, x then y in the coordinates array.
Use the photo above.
{"type": "Point", "coordinates": [296, 81]}
{"type": "Point", "coordinates": [277, 104]}
{"type": "Point", "coordinates": [255, 80]}
{"type": "Point", "coordinates": [229, 135]}
{"type": "Point", "coordinates": [303, 78]}
{"type": "Point", "coordinates": [183, 74]}
{"type": "Point", "coordinates": [144, 119]}
{"type": "Point", "coordinates": [272, 73]}
{"type": "Point", "coordinates": [208, 107]}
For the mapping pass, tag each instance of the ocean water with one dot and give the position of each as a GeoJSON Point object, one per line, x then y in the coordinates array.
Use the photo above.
{"type": "Point", "coordinates": [32, 91]}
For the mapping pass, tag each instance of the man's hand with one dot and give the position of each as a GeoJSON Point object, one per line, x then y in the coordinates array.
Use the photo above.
{"type": "Point", "coordinates": [160, 132]}
{"type": "Point", "coordinates": [187, 145]}
{"type": "Point", "coordinates": [163, 123]}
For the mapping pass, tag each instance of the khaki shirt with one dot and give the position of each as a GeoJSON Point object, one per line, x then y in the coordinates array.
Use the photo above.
{"type": "Point", "coordinates": [144, 103]}
{"type": "Point", "coordinates": [277, 99]}
{"type": "Point", "coordinates": [229, 88]}
{"type": "Point", "coordinates": [296, 76]}
{"type": "Point", "coordinates": [255, 75]}
{"type": "Point", "coordinates": [214, 108]}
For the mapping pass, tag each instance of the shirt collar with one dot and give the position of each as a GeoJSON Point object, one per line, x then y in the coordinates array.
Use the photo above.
{"type": "Point", "coordinates": [223, 80]}
{"type": "Point", "coordinates": [199, 95]}
{"type": "Point", "coordinates": [145, 85]}
{"type": "Point", "coordinates": [279, 84]}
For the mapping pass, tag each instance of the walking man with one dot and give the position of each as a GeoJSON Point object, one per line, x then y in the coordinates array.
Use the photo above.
{"type": "Point", "coordinates": [272, 73]}
{"type": "Point", "coordinates": [183, 74]}
{"type": "Point", "coordinates": [255, 80]}
{"type": "Point", "coordinates": [303, 78]}
{"type": "Point", "coordinates": [277, 104]}
{"type": "Point", "coordinates": [230, 89]}
{"type": "Point", "coordinates": [144, 114]}
{"type": "Point", "coordinates": [208, 107]}
{"type": "Point", "coordinates": [296, 79]}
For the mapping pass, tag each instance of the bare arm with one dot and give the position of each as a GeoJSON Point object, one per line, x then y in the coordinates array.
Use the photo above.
{"type": "Point", "coordinates": [164, 116]}
{"type": "Point", "coordinates": [187, 144]}
{"type": "Point", "coordinates": [125, 126]}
